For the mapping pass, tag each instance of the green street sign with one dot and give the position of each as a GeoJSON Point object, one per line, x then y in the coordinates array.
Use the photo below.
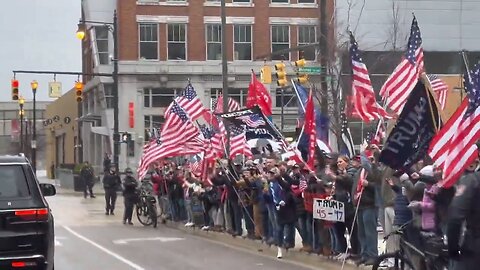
{"type": "Point", "coordinates": [310, 70]}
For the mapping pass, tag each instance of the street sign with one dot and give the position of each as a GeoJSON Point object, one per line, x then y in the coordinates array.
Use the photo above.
{"type": "Point", "coordinates": [310, 70]}
{"type": "Point", "coordinates": [54, 89]}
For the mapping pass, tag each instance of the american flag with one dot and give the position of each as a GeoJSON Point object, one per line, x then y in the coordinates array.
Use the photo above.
{"type": "Point", "coordinates": [147, 149]}
{"type": "Point", "coordinates": [364, 100]}
{"type": "Point", "coordinates": [464, 131]}
{"type": "Point", "coordinates": [190, 102]}
{"type": "Point", "coordinates": [405, 76]}
{"type": "Point", "coordinates": [211, 152]}
{"type": "Point", "coordinates": [238, 142]}
{"type": "Point", "coordinates": [440, 88]}
{"type": "Point", "coordinates": [233, 105]}
{"type": "Point", "coordinates": [379, 135]}
{"type": "Point", "coordinates": [252, 120]}
{"type": "Point", "coordinates": [349, 149]}
{"type": "Point", "coordinates": [195, 165]}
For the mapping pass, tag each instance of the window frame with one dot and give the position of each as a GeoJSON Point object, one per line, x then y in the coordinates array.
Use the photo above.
{"type": "Point", "coordinates": [97, 39]}
{"type": "Point", "coordinates": [302, 43]}
{"type": "Point", "coordinates": [185, 42]}
{"type": "Point", "coordinates": [140, 41]}
{"type": "Point", "coordinates": [240, 42]}
{"type": "Point", "coordinates": [207, 25]}
{"type": "Point", "coordinates": [272, 43]}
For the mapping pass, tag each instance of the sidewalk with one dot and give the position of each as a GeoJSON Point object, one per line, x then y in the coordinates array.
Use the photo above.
{"type": "Point", "coordinates": [42, 178]}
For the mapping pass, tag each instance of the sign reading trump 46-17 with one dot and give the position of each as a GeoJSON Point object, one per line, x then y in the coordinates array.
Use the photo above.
{"type": "Point", "coordinates": [329, 210]}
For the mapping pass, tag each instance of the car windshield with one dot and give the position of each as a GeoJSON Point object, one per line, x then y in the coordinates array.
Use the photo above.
{"type": "Point", "coordinates": [13, 182]}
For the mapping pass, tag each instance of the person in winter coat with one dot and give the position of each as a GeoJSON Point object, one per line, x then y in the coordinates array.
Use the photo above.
{"type": "Point", "coordinates": [343, 180]}
{"type": "Point", "coordinates": [426, 207]}
{"type": "Point", "coordinates": [87, 175]}
{"type": "Point", "coordinates": [364, 191]}
{"type": "Point", "coordinates": [111, 183]}
{"type": "Point", "coordinates": [130, 195]}
{"type": "Point", "coordinates": [286, 210]}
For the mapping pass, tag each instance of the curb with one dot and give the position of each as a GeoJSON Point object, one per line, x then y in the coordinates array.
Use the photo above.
{"type": "Point", "coordinates": [292, 256]}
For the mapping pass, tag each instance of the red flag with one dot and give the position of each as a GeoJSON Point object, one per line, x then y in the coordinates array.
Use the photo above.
{"type": "Point", "coordinates": [259, 95]}
{"type": "Point", "coordinates": [310, 129]}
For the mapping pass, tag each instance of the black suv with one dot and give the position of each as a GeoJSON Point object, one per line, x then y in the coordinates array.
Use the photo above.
{"type": "Point", "coordinates": [26, 223]}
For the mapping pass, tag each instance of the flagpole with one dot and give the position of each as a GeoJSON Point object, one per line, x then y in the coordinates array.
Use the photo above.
{"type": "Point", "coordinates": [424, 78]}
{"type": "Point", "coordinates": [298, 95]}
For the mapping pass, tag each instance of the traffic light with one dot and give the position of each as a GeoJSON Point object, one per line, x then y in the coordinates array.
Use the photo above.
{"type": "Point", "coordinates": [21, 112]}
{"type": "Point", "coordinates": [302, 78]}
{"type": "Point", "coordinates": [281, 75]}
{"type": "Point", "coordinates": [79, 91]}
{"type": "Point", "coordinates": [14, 89]}
{"type": "Point", "coordinates": [126, 137]}
{"type": "Point", "coordinates": [266, 74]}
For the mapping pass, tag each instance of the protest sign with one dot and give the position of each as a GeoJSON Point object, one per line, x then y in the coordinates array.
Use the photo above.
{"type": "Point", "coordinates": [329, 210]}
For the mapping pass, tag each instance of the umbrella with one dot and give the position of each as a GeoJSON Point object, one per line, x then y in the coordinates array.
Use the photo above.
{"type": "Point", "coordinates": [262, 142]}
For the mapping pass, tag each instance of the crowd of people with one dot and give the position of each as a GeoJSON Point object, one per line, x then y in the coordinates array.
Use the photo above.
{"type": "Point", "coordinates": [272, 200]}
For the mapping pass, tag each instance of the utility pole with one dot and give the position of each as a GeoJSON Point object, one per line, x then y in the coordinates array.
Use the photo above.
{"type": "Point", "coordinates": [116, 135]}
{"type": "Point", "coordinates": [225, 71]}
{"type": "Point", "coordinates": [324, 57]}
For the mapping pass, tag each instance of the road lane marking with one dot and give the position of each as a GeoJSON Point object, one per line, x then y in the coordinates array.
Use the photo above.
{"type": "Point", "coordinates": [161, 239]}
{"type": "Point", "coordinates": [109, 252]}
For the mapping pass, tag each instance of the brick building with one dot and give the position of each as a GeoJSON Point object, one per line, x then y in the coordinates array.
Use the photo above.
{"type": "Point", "coordinates": [163, 44]}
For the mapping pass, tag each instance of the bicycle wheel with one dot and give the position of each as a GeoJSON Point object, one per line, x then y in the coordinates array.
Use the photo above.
{"type": "Point", "coordinates": [392, 261]}
{"type": "Point", "coordinates": [143, 214]}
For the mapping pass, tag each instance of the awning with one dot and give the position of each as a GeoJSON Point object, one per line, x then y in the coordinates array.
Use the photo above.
{"type": "Point", "coordinates": [100, 130]}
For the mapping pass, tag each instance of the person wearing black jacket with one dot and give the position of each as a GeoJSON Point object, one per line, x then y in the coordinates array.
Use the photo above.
{"type": "Point", "coordinates": [130, 195]}
{"type": "Point", "coordinates": [111, 183]}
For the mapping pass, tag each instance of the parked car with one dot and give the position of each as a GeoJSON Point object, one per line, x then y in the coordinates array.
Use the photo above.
{"type": "Point", "coordinates": [26, 222]}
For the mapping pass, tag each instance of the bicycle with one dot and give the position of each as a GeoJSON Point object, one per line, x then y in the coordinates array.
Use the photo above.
{"type": "Point", "coordinates": [146, 209]}
{"type": "Point", "coordinates": [435, 255]}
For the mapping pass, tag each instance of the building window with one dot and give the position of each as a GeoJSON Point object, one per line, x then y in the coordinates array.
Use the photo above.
{"type": "Point", "coordinates": [176, 42]}
{"type": "Point", "coordinates": [289, 98]}
{"type": "Point", "coordinates": [214, 41]}
{"type": "Point", "coordinates": [152, 122]}
{"type": "Point", "coordinates": [280, 41]}
{"type": "Point", "coordinates": [101, 36]}
{"type": "Point", "coordinates": [242, 42]}
{"type": "Point", "coordinates": [241, 1]}
{"type": "Point", "coordinates": [108, 88]}
{"type": "Point", "coordinates": [307, 35]}
{"type": "Point", "coordinates": [238, 94]}
{"type": "Point", "coordinates": [280, 1]}
{"type": "Point", "coordinates": [148, 41]}
{"type": "Point", "coordinates": [159, 97]}
{"type": "Point", "coordinates": [306, 1]}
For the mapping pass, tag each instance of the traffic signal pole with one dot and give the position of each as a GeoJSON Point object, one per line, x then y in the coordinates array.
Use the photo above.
{"type": "Point", "coordinates": [225, 72]}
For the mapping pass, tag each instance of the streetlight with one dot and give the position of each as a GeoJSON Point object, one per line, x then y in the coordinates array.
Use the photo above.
{"type": "Point", "coordinates": [34, 85]}
{"type": "Point", "coordinates": [21, 101]}
{"type": "Point", "coordinates": [112, 27]}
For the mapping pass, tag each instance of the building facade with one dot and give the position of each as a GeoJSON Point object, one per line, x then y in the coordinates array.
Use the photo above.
{"type": "Point", "coordinates": [165, 44]}
{"type": "Point", "coordinates": [61, 130]}
{"type": "Point", "coordinates": [13, 133]}
{"type": "Point", "coordinates": [382, 29]}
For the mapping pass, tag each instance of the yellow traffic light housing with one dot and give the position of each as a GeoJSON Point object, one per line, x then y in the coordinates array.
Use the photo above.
{"type": "Point", "coordinates": [302, 78]}
{"type": "Point", "coordinates": [281, 75]}
{"type": "Point", "coordinates": [15, 93]}
{"type": "Point", "coordinates": [266, 74]}
{"type": "Point", "coordinates": [21, 112]}
{"type": "Point", "coordinates": [300, 63]}
{"type": "Point", "coordinates": [79, 91]}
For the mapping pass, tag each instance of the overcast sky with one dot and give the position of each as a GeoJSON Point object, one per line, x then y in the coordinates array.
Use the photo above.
{"type": "Point", "coordinates": [38, 35]}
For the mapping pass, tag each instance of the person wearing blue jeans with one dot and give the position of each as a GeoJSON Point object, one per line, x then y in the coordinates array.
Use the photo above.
{"type": "Point", "coordinates": [285, 207]}
{"type": "Point", "coordinates": [365, 191]}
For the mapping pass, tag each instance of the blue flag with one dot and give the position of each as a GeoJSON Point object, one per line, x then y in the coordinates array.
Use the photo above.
{"type": "Point", "coordinates": [320, 120]}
